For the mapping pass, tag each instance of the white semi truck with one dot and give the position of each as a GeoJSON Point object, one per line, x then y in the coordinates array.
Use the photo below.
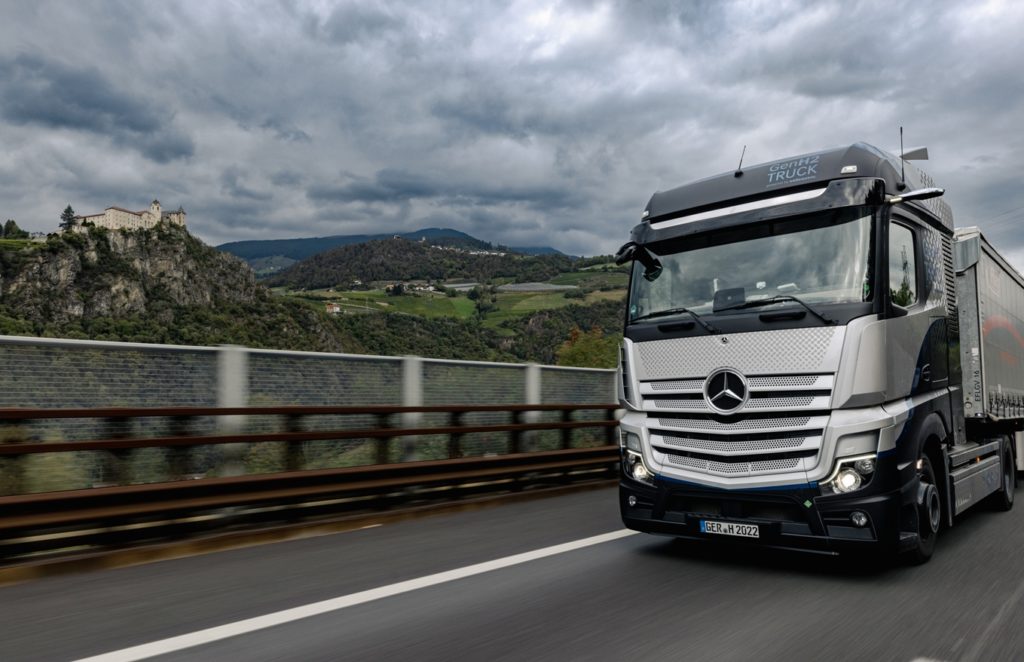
{"type": "Point", "coordinates": [815, 359]}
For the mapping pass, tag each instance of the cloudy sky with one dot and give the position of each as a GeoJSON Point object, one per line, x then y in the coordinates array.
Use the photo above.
{"type": "Point", "coordinates": [522, 123]}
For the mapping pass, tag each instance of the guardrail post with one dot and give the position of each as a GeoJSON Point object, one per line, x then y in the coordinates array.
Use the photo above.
{"type": "Point", "coordinates": [567, 431]}
{"type": "Point", "coordinates": [383, 443]}
{"type": "Point", "coordinates": [455, 438]}
{"type": "Point", "coordinates": [412, 396]}
{"type": "Point", "coordinates": [532, 396]}
{"type": "Point", "coordinates": [295, 455]}
{"type": "Point", "coordinates": [119, 428]}
{"type": "Point", "coordinates": [232, 391]}
{"type": "Point", "coordinates": [12, 467]}
{"type": "Point", "coordinates": [178, 457]}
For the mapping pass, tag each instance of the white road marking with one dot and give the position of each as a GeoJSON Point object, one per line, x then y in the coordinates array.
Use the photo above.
{"type": "Point", "coordinates": [209, 635]}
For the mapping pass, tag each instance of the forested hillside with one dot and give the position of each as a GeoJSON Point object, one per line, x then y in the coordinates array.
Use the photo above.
{"type": "Point", "coordinates": [166, 286]}
{"type": "Point", "coordinates": [401, 259]}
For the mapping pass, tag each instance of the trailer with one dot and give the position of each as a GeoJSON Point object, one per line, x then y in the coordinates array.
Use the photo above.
{"type": "Point", "coordinates": [813, 358]}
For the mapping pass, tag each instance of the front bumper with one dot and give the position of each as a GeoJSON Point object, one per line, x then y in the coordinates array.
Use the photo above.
{"type": "Point", "coordinates": [796, 519]}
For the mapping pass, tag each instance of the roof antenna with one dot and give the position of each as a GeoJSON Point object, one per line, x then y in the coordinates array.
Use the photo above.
{"type": "Point", "coordinates": [739, 168]}
{"type": "Point", "coordinates": [903, 175]}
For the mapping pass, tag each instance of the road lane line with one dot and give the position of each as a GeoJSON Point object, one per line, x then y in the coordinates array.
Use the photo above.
{"type": "Point", "coordinates": [209, 635]}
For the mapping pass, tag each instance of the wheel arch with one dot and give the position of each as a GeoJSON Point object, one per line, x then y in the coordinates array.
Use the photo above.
{"type": "Point", "coordinates": [931, 440]}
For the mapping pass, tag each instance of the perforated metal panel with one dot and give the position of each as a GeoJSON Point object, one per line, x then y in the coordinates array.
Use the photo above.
{"type": "Point", "coordinates": [745, 424]}
{"type": "Point", "coordinates": [782, 382]}
{"type": "Point", "coordinates": [778, 403]}
{"type": "Point", "coordinates": [790, 351]}
{"type": "Point", "coordinates": [678, 385]}
{"type": "Point", "coordinates": [775, 465]}
{"type": "Point", "coordinates": [734, 468]}
{"type": "Point", "coordinates": [713, 446]}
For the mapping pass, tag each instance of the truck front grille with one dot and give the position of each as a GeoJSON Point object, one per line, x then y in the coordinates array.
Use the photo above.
{"type": "Point", "coordinates": [779, 430]}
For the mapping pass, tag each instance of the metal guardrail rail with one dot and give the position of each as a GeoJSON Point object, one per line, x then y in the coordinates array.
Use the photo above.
{"type": "Point", "coordinates": [119, 515]}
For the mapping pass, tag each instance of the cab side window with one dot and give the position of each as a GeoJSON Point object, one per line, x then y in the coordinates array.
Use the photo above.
{"type": "Point", "coordinates": [902, 266]}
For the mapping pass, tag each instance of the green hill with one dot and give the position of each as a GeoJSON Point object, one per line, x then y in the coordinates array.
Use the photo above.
{"type": "Point", "coordinates": [400, 259]}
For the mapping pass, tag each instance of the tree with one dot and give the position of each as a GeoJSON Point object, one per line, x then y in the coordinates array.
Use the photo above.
{"type": "Point", "coordinates": [67, 218]}
{"type": "Point", "coordinates": [591, 349]}
{"type": "Point", "coordinates": [11, 230]}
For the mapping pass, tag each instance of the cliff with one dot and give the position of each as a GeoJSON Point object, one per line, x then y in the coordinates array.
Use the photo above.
{"type": "Point", "coordinates": [161, 285]}
{"type": "Point", "coordinates": [118, 274]}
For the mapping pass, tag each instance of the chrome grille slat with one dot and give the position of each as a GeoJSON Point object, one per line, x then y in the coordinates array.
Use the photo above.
{"type": "Point", "coordinates": [736, 468]}
{"type": "Point", "coordinates": [755, 384]}
{"type": "Point", "coordinates": [784, 415]}
{"type": "Point", "coordinates": [820, 402]}
{"type": "Point", "coordinates": [719, 447]}
{"type": "Point", "coordinates": [744, 425]}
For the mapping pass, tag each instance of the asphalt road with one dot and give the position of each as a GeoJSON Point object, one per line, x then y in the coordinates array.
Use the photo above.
{"type": "Point", "coordinates": [632, 597]}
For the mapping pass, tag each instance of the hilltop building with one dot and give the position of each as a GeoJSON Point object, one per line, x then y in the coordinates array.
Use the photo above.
{"type": "Point", "coordinates": [118, 218]}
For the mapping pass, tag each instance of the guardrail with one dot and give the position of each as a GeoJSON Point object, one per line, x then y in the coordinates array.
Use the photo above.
{"type": "Point", "coordinates": [118, 514]}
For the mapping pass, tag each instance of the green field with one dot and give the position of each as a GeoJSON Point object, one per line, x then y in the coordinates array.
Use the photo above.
{"type": "Point", "coordinates": [15, 244]}
{"type": "Point", "coordinates": [509, 305]}
{"type": "Point", "coordinates": [592, 279]}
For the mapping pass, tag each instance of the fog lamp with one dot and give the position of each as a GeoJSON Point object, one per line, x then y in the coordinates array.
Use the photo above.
{"type": "Point", "coordinates": [631, 500]}
{"type": "Point", "coordinates": [859, 519]}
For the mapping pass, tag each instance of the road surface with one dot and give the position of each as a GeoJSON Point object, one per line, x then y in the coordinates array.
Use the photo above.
{"type": "Point", "coordinates": [551, 579]}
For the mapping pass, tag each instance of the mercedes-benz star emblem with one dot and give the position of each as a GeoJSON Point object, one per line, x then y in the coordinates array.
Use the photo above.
{"type": "Point", "coordinates": [725, 390]}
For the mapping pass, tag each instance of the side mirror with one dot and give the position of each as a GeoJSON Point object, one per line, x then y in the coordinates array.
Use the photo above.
{"type": "Point", "coordinates": [633, 251]}
{"type": "Point", "coordinates": [917, 194]}
{"type": "Point", "coordinates": [626, 253]}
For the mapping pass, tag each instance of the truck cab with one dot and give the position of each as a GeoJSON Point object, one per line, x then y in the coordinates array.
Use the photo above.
{"type": "Point", "coordinates": [791, 362]}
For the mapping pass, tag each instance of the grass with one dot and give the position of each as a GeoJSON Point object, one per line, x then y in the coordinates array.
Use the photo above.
{"type": "Point", "coordinates": [15, 244]}
{"type": "Point", "coordinates": [510, 305]}
{"type": "Point", "coordinates": [592, 279]}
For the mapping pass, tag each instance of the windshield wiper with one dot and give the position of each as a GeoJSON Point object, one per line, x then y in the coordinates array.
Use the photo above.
{"type": "Point", "coordinates": [779, 299]}
{"type": "Point", "coordinates": [678, 311]}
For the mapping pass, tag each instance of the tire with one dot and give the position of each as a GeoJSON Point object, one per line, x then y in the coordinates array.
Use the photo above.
{"type": "Point", "coordinates": [929, 514]}
{"type": "Point", "coordinates": [1002, 500]}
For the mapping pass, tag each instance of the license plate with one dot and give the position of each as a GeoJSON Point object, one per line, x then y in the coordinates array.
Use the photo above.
{"type": "Point", "coordinates": [730, 529]}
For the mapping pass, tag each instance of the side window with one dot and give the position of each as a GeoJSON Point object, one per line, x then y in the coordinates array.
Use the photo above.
{"type": "Point", "coordinates": [902, 266]}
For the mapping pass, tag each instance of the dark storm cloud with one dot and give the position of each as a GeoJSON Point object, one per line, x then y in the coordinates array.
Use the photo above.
{"type": "Point", "coordinates": [45, 92]}
{"type": "Point", "coordinates": [350, 23]}
{"type": "Point", "coordinates": [231, 184]}
{"type": "Point", "coordinates": [285, 131]}
{"type": "Point", "coordinates": [395, 185]}
{"type": "Point", "coordinates": [286, 178]}
{"type": "Point", "coordinates": [523, 121]}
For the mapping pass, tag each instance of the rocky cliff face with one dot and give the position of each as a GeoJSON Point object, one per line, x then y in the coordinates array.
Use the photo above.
{"type": "Point", "coordinates": [118, 274]}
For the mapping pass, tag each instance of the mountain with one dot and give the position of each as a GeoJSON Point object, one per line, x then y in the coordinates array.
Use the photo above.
{"type": "Point", "coordinates": [400, 259]}
{"type": "Point", "coordinates": [165, 286]}
{"type": "Point", "coordinates": [271, 255]}
{"type": "Point", "coordinates": [160, 285]}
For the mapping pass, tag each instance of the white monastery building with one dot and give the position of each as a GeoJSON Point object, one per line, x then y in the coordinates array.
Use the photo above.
{"type": "Point", "coordinates": [118, 218]}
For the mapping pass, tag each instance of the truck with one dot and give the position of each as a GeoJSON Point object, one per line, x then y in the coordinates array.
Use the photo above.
{"type": "Point", "coordinates": [815, 359]}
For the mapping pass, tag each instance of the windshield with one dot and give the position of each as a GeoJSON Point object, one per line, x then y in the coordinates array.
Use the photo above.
{"type": "Point", "coordinates": [822, 258]}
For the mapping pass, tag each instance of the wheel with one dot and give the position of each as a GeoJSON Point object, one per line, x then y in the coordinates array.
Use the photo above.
{"type": "Point", "coordinates": [1003, 499]}
{"type": "Point", "coordinates": [929, 513]}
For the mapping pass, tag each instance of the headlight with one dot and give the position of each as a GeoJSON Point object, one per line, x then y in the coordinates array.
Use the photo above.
{"type": "Point", "coordinates": [849, 475]}
{"type": "Point", "coordinates": [634, 467]}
